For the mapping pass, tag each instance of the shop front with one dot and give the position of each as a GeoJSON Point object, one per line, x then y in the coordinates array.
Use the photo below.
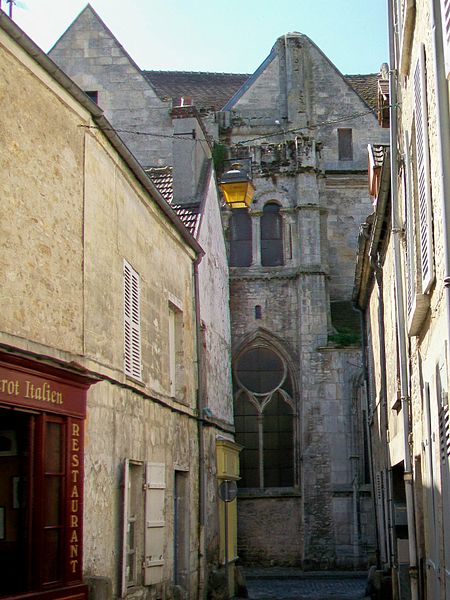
{"type": "Point", "coordinates": [42, 413]}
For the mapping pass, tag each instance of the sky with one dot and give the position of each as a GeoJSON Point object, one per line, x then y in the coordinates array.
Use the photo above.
{"type": "Point", "coordinates": [234, 36]}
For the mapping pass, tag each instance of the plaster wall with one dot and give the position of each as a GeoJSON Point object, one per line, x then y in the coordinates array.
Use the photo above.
{"type": "Point", "coordinates": [214, 308]}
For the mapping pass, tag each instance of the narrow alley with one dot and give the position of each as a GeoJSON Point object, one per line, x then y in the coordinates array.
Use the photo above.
{"type": "Point", "coordinates": [281, 584]}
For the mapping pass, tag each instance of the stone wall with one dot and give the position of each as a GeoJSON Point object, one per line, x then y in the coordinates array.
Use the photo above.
{"type": "Point", "coordinates": [72, 211]}
{"type": "Point", "coordinates": [90, 54]}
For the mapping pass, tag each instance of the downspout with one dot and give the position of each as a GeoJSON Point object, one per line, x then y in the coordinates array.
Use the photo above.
{"type": "Point", "coordinates": [443, 144]}
{"type": "Point", "coordinates": [202, 583]}
{"type": "Point", "coordinates": [400, 314]}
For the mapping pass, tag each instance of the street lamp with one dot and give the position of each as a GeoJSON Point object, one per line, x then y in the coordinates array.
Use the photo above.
{"type": "Point", "coordinates": [237, 187]}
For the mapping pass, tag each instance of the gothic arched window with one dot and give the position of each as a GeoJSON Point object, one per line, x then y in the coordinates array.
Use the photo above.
{"type": "Point", "coordinates": [240, 238]}
{"type": "Point", "coordinates": [271, 236]}
{"type": "Point", "coordinates": [264, 418]}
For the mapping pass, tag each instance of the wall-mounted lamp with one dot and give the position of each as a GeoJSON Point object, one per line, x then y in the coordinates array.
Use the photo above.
{"type": "Point", "coordinates": [237, 187]}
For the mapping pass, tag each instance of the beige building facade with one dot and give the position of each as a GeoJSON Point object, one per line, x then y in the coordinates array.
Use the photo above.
{"type": "Point", "coordinates": [402, 288]}
{"type": "Point", "coordinates": [98, 335]}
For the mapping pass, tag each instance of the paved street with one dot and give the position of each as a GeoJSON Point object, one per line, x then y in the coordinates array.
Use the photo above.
{"type": "Point", "coordinates": [288, 584]}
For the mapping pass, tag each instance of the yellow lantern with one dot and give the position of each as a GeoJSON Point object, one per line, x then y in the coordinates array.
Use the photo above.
{"type": "Point", "coordinates": [237, 187]}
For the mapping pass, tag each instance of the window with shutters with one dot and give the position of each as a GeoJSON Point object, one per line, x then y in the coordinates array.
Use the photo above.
{"type": "Point", "coordinates": [132, 322]}
{"type": "Point", "coordinates": [345, 144]}
{"type": "Point", "coordinates": [416, 303]}
{"type": "Point", "coordinates": [132, 523]}
{"type": "Point", "coordinates": [423, 183]}
{"type": "Point", "coordinates": [143, 524]}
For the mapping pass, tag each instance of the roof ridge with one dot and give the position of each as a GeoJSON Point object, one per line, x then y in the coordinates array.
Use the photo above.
{"type": "Point", "coordinates": [172, 72]}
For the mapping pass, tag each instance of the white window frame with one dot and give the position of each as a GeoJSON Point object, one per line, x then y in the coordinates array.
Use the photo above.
{"type": "Point", "coordinates": [132, 322]}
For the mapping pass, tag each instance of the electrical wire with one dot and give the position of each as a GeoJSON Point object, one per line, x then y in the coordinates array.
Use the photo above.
{"type": "Point", "coordinates": [189, 137]}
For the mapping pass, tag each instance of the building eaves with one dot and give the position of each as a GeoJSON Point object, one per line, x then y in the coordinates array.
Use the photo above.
{"type": "Point", "coordinates": [372, 235]}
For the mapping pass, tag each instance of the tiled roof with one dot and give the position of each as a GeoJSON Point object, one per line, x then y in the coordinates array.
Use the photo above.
{"type": "Point", "coordinates": [209, 91]}
{"type": "Point", "coordinates": [366, 86]}
{"type": "Point", "coordinates": [163, 180]}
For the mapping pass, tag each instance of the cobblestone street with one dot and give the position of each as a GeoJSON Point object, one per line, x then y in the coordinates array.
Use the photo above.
{"type": "Point", "coordinates": [285, 584]}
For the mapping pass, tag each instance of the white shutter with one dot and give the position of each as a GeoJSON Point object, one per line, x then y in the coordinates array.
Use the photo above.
{"type": "Point", "coordinates": [423, 174]}
{"type": "Point", "coordinates": [132, 322]}
{"type": "Point", "coordinates": [155, 490]}
{"type": "Point", "coordinates": [445, 19]}
{"type": "Point", "coordinates": [410, 238]}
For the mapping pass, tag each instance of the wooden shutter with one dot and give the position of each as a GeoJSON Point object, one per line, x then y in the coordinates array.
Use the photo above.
{"type": "Point", "coordinates": [132, 322]}
{"type": "Point", "coordinates": [155, 490]}
{"type": "Point", "coordinates": [410, 237]}
{"type": "Point", "coordinates": [125, 508]}
{"type": "Point", "coordinates": [445, 18]}
{"type": "Point", "coordinates": [423, 174]}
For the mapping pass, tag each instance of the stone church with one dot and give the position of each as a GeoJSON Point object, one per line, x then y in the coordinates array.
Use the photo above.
{"type": "Point", "coordinates": [300, 129]}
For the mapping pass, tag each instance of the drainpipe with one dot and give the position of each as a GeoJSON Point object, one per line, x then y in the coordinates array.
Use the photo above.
{"type": "Point", "coordinates": [443, 144]}
{"type": "Point", "coordinates": [202, 585]}
{"type": "Point", "coordinates": [400, 314]}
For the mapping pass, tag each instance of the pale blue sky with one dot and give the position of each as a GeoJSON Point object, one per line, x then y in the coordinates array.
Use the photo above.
{"type": "Point", "coordinates": [233, 36]}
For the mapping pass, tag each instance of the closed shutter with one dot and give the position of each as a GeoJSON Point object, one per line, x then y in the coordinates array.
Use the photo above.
{"type": "Point", "coordinates": [410, 253]}
{"type": "Point", "coordinates": [132, 322]}
{"type": "Point", "coordinates": [423, 174]}
{"type": "Point", "coordinates": [445, 17]}
{"type": "Point", "coordinates": [155, 490]}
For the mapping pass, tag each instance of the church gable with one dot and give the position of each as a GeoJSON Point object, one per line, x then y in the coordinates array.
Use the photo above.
{"type": "Point", "coordinates": [90, 54]}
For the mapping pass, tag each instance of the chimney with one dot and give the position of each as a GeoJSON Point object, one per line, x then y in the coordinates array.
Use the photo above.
{"type": "Point", "coordinates": [191, 152]}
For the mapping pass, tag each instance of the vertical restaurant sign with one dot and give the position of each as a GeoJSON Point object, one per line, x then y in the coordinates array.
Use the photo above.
{"type": "Point", "coordinates": [75, 500]}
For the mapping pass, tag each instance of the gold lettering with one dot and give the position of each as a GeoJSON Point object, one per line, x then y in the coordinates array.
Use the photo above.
{"type": "Point", "coordinates": [74, 505]}
{"type": "Point", "coordinates": [9, 387]}
{"type": "Point", "coordinates": [35, 392]}
{"type": "Point", "coordinates": [73, 551]}
{"type": "Point", "coordinates": [75, 429]}
{"type": "Point", "coordinates": [75, 473]}
{"type": "Point", "coordinates": [74, 564]}
{"type": "Point", "coordinates": [74, 520]}
{"type": "Point", "coordinates": [75, 445]}
{"type": "Point", "coordinates": [74, 493]}
{"type": "Point", "coordinates": [74, 537]}
{"type": "Point", "coordinates": [75, 460]}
